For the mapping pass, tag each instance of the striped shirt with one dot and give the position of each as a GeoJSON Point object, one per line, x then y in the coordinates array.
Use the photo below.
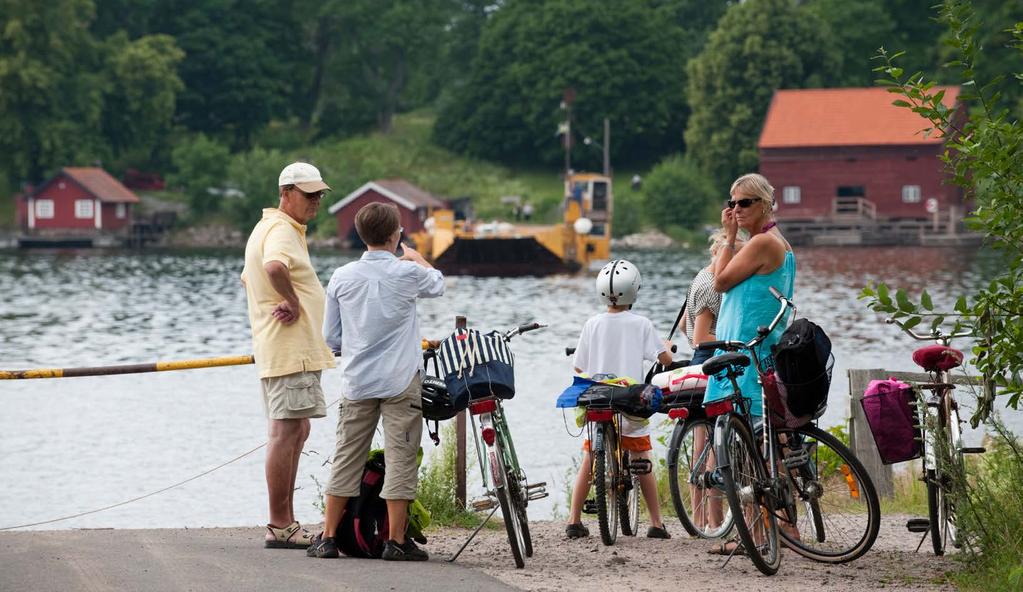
{"type": "Point", "coordinates": [702, 297]}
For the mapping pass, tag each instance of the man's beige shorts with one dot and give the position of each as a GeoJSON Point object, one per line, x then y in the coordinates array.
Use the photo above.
{"type": "Point", "coordinates": [294, 396]}
{"type": "Point", "coordinates": [403, 429]}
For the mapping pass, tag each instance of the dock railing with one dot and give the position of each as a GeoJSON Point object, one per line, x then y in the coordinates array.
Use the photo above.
{"type": "Point", "coordinates": [861, 441]}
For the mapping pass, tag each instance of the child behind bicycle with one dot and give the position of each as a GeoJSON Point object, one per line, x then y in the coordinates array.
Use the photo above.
{"type": "Point", "coordinates": [618, 342]}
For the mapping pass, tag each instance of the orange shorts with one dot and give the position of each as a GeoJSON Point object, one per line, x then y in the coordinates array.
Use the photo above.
{"type": "Point", "coordinates": [630, 443]}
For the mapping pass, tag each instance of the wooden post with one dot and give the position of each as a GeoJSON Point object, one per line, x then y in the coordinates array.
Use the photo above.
{"type": "Point", "coordinates": [460, 323]}
{"type": "Point", "coordinates": [860, 439]}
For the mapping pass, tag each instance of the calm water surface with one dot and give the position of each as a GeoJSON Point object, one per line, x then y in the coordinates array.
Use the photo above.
{"type": "Point", "coordinates": [72, 445]}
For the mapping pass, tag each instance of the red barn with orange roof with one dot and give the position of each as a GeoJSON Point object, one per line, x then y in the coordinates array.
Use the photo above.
{"type": "Point", "coordinates": [848, 153]}
{"type": "Point", "coordinates": [78, 201]}
{"type": "Point", "coordinates": [414, 206]}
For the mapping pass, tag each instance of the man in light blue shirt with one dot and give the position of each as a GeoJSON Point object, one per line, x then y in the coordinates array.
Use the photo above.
{"type": "Point", "coordinates": [371, 319]}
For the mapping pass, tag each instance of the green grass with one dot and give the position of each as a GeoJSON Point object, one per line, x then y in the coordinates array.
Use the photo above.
{"type": "Point", "coordinates": [437, 485]}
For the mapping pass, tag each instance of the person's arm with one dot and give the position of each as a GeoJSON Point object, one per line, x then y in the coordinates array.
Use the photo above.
{"type": "Point", "coordinates": [332, 321]}
{"type": "Point", "coordinates": [278, 250]}
{"type": "Point", "coordinates": [701, 327]}
{"type": "Point", "coordinates": [664, 358]}
{"type": "Point", "coordinates": [429, 281]}
{"type": "Point", "coordinates": [733, 268]}
{"type": "Point", "coordinates": [582, 351]}
{"type": "Point", "coordinates": [288, 310]}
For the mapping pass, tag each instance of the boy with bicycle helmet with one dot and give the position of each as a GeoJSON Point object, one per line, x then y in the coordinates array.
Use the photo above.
{"type": "Point", "coordinates": [618, 342]}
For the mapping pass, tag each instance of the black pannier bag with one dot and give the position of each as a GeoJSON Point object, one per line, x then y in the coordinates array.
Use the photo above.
{"type": "Point", "coordinates": [803, 363]}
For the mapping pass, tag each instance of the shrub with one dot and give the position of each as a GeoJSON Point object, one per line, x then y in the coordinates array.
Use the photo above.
{"type": "Point", "coordinates": [676, 193]}
{"type": "Point", "coordinates": [200, 164]}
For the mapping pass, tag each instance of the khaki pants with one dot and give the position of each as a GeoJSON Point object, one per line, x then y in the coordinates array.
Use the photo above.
{"type": "Point", "coordinates": [403, 430]}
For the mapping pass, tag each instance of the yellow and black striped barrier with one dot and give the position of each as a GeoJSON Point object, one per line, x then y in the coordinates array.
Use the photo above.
{"type": "Point", "coordinates": [126, 368]}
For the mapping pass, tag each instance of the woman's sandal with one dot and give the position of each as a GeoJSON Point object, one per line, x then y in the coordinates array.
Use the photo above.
{"type": "Point", "coordinates": [292, 536]}
{"type": "Point", "coordinates": [726, 550]}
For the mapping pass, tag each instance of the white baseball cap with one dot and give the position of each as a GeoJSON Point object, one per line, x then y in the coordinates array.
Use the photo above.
{"type": "Point", "coordinates": [304, 176]}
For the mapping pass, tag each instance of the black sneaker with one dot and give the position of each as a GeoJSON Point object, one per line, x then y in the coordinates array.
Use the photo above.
{"type": "Point", "coordinates": [657, 532]}
{"type": "Point", "coordinates": [407, 551]}
{"type": "Point", "coordinates": [323, 548]}
{"type": "Point", "coordinates": [577, 531]}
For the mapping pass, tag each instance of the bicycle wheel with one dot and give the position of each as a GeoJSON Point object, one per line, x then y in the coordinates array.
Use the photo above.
{"type": "Point", "coordinates": [838, 513]}
{"type": "Point", "coordinates": [507, 499]}
{"type": "Point", "coordinates": [605, 476]}
{"type": "Point", "coordinates": [520, 509]}
{"type": "Point", "coordinates": [700, 507]}
{"type": "Point", "coordinates": [747, 487]}
{"type": "Point", "coordinates": [949, 468]}
{"type": "Point", "coordinates": [628, 499]}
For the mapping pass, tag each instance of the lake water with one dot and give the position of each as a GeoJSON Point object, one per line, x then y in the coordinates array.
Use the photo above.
{"type": "Point", "coordinates": [73, 445]}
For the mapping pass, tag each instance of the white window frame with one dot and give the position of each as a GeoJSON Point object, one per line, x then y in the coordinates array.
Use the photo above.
{"type": "Point", "coordinates": [911, 194]}
{"type": "Point", "coordinates": [122, 211]}
{"type": "Point", "coordinates": [85, 209]}
{"type": "Point", "coordinates": [44, 209]}
{"type": "Point", "coordinates": [791, 194]}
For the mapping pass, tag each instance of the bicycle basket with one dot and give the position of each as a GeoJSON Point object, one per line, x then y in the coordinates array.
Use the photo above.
{"type": "Point", "coordinates": [476, 365]}
{"type": "Point", "coordinates": [802, 393]}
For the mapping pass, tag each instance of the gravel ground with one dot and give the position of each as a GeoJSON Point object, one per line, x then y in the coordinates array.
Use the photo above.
{"type": "Point", "coordinates": [641, 564]}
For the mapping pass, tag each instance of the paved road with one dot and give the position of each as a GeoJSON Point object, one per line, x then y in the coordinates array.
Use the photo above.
{"type": "Point", "coordinates": [216, 559]}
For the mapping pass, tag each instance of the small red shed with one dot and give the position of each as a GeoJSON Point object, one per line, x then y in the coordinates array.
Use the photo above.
{"type": "Point", "coordinates": [414, 205]}
{"type": "Point", "coordinates": [848, 152]}
{"type": "Point", "coordinates": [78, 201]}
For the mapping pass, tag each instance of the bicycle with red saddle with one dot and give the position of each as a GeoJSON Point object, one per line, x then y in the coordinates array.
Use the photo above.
{"type": "Point", "coordinates": [942, 438]}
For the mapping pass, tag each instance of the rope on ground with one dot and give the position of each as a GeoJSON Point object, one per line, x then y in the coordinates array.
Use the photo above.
{"type": "Point", "coordinates": [135, 499]}
{"type": "Point", "coordinates": [150, 494]}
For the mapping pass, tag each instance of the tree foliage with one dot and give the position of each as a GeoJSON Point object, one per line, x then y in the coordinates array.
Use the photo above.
{"type": "Point", "coordinates": [985, 155]}
{"type": "Point", "coordinates": [858, 30]}
{"type": "Point", "coordinates": [676, 193]}
{"type": "Point", "coordinates": [620, 59]}
{"type": "Point", "coordinates": [200, 163]}
{"type": "Point", "coordinates": [758, 47]}
{"type": "Point", "coordinates": [70, 98]}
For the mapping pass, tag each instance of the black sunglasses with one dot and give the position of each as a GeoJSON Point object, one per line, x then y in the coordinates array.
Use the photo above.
{"type": "Point", "coordinates": [743, 203]}
{"type": "Point", "coordinates": [310, 196]}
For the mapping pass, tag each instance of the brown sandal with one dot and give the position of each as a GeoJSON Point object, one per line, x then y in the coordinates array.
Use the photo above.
{"type": "Point", "coordinates": [724, 549]}
{"type": "Point", "coordinates": [292, 536]}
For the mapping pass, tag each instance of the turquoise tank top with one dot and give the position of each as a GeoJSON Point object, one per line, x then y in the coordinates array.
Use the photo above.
{"type": "Point", "coordinates": [745, 307]}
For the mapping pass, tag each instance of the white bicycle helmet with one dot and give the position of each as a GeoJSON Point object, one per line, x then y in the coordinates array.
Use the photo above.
{"type": "Point", "coordinates": [618, 283]}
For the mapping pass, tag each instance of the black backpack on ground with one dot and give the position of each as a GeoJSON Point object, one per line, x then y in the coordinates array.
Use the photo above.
{"type": "Point", "coordinates": [803, 362]}
{"type": "Point", "coordinates": [364, 527]}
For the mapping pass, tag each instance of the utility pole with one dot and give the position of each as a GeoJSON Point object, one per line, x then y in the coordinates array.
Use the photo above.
{"type": "Point", "coordinates": [607, 147]}
{"type": "Point", "coordinates": [567, 98]}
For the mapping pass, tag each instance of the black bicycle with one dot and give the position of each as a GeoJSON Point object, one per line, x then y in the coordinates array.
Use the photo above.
{"type": "Point", "coordinates": [803, 479]}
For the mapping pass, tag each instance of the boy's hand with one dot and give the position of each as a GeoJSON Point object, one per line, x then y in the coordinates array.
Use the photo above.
{"type": "Point", "coordinates": [669, 346]}
{"type": "Point", "coordinates": [413, 255]}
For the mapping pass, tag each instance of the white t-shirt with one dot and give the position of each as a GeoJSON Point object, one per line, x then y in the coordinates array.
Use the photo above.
{"type": "Point", "coordinates": [618, 343]}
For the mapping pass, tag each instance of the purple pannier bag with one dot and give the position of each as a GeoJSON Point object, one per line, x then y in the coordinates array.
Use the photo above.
{"type": "Point", "coordinates": [888, 406]}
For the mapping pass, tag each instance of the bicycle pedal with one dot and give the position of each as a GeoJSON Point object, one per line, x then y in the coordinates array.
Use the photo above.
{"type": "Point", "coordinates": [540, 485]}
{"type": "Point", "coordinates": [640, 466]}
{"type": "Point", "coordinates": [536, 494]}
{"type": "Point", "coordinates": [918, 525]}
{"type": "Point", "coordinates": [590, 506]}
{"type": "Point", "coordinates": [483, 504]}
{"type": "Point", "coordinates": [973, 450]}
{"type": "Point", "coordinates": [796, 458]}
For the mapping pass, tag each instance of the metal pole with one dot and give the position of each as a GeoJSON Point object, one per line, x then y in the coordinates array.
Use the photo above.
{"type": "Point", "coordinates": [607, 147]}
{"type": "Point", "coordinates": [568, 139]}
{"type": "Point", "coordinates": [125, 368]}
{"type": "Point", "coordinates": [460, 323]}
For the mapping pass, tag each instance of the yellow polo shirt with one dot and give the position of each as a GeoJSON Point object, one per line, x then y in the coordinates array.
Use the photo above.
{"type": "Point", "coordinates": [282, 349]}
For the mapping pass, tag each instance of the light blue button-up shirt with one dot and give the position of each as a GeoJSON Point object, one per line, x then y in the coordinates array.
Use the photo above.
{"type": "Point", "coordinates": [374, 300]}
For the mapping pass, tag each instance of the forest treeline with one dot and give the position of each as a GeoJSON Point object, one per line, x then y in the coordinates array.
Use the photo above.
{"type": "Point", "coordinates": [176, 86]}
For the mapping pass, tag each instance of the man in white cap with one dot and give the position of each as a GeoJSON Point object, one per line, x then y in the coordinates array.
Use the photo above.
{"type": "Point", "coordinates": [286, 306]}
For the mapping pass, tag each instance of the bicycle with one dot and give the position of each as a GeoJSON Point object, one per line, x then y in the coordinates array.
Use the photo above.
{"type": "Point", "coordinates": [615, 475]}
{"type": "Point", "coordinates": [767, 471]}
{"type": "Point", "coordinates": [504, 481]}
{"type": "Point", "coordinates": [944, 454]}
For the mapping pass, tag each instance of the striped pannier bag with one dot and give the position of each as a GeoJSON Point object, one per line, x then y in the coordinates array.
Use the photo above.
{"type": "Point", "coordinates": [477, 365]}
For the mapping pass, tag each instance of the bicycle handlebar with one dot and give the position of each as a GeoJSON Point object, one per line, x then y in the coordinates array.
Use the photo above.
{"type": "Point", "coordinates": [524, 328]}
{"type": "Point", "coordinates": [935, 334]}
{"type": "Point", "coordinates": [762, 332]}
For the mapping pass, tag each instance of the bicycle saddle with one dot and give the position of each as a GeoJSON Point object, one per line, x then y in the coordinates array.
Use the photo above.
{"type": "Point", "coordinates": [937, 358]}
{"type": "Point", "coordinates": [720, 362]}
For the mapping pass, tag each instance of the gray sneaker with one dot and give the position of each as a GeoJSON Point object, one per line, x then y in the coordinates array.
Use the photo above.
{"type": "Point", "coordinates": [407, 551]}
{"type": "Point", "coordinates": [577, 531]}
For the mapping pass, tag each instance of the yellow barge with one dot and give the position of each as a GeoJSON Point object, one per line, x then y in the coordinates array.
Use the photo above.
{"type": "Point", "coordinates": [581, 241]}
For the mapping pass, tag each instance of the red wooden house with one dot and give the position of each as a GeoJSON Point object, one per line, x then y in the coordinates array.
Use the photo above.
{"type": "Point", "coordinates": [77, 203]}
{"type": "Point", "coordinates": [845, 155]}
{"type": "Point", "coordinates": [414, 205]}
